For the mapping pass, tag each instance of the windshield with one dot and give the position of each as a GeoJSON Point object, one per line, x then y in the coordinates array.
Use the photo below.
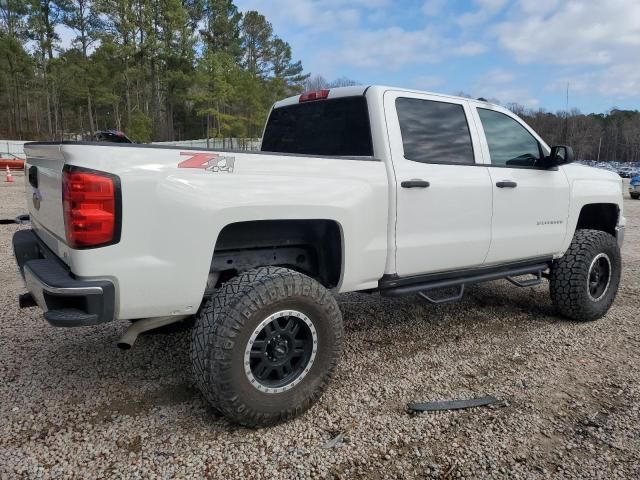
{"type": "Point", "coordinates": [337, 127]}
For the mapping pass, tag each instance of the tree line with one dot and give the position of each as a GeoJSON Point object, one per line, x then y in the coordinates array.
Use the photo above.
{"type": "Point", "coordinates": [157, 69]}
{"type": "Point", "coordinates": [611, 136]}
{"type": "Point", "coordinates": [184, 69]}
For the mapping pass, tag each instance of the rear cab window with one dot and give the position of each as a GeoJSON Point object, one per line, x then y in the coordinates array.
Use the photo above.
{"type": "Point", "coordinates": [333, 127]}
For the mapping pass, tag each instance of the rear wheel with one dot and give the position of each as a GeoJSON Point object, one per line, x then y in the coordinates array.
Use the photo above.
{"type": "Point", "coordinates": [266, 345]}
{"type": "Point", "coordinates": [584, 282]}
{"type": "Point", "coordinates": [635, 195]}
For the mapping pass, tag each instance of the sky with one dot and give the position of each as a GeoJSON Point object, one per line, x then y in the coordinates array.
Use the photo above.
{"type": "Point", "coordinates": [523, 51]}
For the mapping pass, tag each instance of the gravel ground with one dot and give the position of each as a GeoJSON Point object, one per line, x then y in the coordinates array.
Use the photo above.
{"type": "Point", "coordinates": [72, 405]}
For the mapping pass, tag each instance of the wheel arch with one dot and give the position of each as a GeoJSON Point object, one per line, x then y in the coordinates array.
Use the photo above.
{"type": "Point", "coordinates": [313, 247]}
{"type": "Point", "coordinates": [599, 216]}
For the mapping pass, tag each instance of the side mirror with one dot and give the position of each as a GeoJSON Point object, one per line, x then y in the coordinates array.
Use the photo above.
{"type": "Point", "coordinates": [561, 155]}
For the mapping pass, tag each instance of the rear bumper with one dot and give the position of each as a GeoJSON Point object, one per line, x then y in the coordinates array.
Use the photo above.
{"type": "Point", "coordinates": [65, 300]}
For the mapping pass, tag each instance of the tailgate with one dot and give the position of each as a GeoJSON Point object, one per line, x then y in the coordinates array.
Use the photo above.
{"type": "Point", "coordinates": [43, 187]}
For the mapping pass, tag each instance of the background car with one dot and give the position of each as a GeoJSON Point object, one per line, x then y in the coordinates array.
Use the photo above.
{"type": "Point", "coordinates": [625, 172]}
{"type": "Point", "coordinates": [634, 187]}
{"type": "Point", "coordinates": [113, 136]}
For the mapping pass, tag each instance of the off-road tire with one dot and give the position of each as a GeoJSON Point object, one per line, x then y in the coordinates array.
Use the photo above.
{"type": "Point", "coordinates": [223, 329]}
{"type": "Point", "coordinates": [569, 276]}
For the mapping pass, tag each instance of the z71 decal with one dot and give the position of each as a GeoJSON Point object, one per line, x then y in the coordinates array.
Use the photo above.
{"type": "Point", "coordinates": [212, 162]}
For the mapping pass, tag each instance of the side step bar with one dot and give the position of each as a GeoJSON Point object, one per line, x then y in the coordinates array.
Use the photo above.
{"type": "Point", "coordinates": [441, 300]}
{"type": "Point", "coordinates": [531, 282]}
{"type": "Point", "coordinates": [479, 277]}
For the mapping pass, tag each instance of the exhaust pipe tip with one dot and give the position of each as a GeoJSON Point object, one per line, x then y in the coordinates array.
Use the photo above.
{"type": "Point", "coordinates": [131, 334]}
{"type": "Point", "coordinates": [26, 300]}
{"type": "Point", "coordinates": [126, 341]}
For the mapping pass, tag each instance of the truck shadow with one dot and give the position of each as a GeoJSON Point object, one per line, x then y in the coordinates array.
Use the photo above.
{"type": "Point", "coordinates": [84, 352]}
{"type": "Point", "coordinates": [156, 373]}
{"type": "Point", "coordinates": [491, 300]}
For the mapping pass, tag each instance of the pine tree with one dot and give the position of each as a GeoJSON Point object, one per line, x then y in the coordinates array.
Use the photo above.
{"type": "Point", "coordinates": [82, 18]}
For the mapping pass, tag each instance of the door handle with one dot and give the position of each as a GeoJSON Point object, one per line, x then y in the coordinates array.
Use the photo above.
{"type": "Point", "coordinates": [414, 183]}
{"type": "Point", "coordinates": [506, 184]}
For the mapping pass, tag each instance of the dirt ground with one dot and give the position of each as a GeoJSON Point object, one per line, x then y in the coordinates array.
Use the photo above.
{"type": "Point", "coordinates": [74, 406]}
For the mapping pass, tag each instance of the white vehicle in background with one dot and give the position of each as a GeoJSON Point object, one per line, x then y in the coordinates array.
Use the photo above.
{"type": "Point", "coordinates": [356, 189]}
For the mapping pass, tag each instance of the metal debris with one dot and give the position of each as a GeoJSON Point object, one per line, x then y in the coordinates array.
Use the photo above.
{"type": "Point", "coordinates": [451, 404]}
{"type": "Point", "coordinates": [335, 441]}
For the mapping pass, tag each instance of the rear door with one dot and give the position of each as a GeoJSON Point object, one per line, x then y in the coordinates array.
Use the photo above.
{"type": "Point", "coordinates": [443, 192]}
{"type": "Point", "coordinates": [530, 202]}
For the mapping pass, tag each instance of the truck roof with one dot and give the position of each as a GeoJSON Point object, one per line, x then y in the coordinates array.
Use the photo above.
{"type": "Point", "coordinates": [361, 89]}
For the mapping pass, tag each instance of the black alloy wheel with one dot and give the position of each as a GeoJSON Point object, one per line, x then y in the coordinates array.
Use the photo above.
{"type": "Point", "coordinates": [280, 351]}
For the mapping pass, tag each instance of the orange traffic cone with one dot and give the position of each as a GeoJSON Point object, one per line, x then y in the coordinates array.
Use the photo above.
{"type": "Point", "coordinates": [9, 176]}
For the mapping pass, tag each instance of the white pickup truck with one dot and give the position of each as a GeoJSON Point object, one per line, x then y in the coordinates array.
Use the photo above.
{"type": "Point", "coordinates": [372, 189]}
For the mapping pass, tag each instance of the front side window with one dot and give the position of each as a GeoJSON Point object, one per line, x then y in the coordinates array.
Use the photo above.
{"type": "Point", "coordinates": [510, 144]}
{"type": "Point", "coordinates": [434, 132]}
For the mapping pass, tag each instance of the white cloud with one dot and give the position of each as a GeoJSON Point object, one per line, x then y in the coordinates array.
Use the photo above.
{"type": "Point", "coordinates": [469, 49]}
{"type": "Point", "coordinates": [538, 7]}
{"type": "Point", "coordinates": [371, 4]}
{"type": "Point", "coordinates": [432, 8]}
{"type": "Point", "coordinates": [486, 9]}
{"type": "Point", "coordinates": [66, 40]}
{"type": "Point", "coordinates": [361, 34]}
{"type": "Point", "coordinates": [426, 82]}
{"type": "Point", "coordinates": [615, 81]}
{"type": "Point", "coordinates": [577, 32]}
{"type": "Point", "coordinates": [504, 86]}
{"type": "Point", "coordinates": [378, 17]}
{"type": "Point", "coordinates": [498, 76]}
{"type": "Point", "coordinates": [595, 45]}
{"type": "Point", "coordinates": [66, 36]}
{"type": "Point", "coordinates": [618, 80]}
{"type": "Point", "coordinates": [391, 47]}
{"type": "Point", "coordinates": [312, 15]}
{"type": "Point", "coordinates": [493, 5]}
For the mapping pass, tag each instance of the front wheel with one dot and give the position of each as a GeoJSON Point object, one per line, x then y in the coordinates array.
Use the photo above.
{"type": "Point", "coordinates": [266, 345]}
{"type": "Point", "coordinates": [635, 195]}
{"type": "Point", "coordinates": [584, 282]}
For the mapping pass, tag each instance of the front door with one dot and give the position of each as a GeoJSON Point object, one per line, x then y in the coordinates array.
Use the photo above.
{"type": "Point", "coordinates": [443, 192]}
{"type": "Point", "coordinates": [530, 203]}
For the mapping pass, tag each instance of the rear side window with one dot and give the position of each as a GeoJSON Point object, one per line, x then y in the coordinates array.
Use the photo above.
{"type": "Point", "coordinates": [510, 144]}
{"type": "Point", "coordinates": [324, 127]}
{"type": "Point", "coordinates": [434, 132]}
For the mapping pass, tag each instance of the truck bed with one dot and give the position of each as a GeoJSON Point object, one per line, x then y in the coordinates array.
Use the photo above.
{"type": "Point", "coordinates": [176, 201]}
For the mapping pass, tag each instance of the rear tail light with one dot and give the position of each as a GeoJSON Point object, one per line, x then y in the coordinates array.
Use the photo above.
{"type": "Point", "coordinates": [313, 95]}
{"type": "Point", "coordinates": [91, 205]}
